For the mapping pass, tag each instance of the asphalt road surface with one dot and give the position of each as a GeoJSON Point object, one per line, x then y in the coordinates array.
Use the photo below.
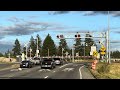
{"type": "Point", "coordinates": [66, 71]}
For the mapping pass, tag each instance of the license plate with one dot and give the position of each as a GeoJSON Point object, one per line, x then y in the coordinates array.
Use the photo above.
{"type": "Point", "coordinates": [23, 65]}
{"type": "Point", "coordinates": [45, 65]}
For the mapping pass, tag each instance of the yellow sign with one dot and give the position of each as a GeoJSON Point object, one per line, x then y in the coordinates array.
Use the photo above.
{"type": "Point", "coordinates": [103, 49]}
{"type": "Point", "coordinates": [95, 53]}
{"type": "Point", "coordinates": [103, 53]}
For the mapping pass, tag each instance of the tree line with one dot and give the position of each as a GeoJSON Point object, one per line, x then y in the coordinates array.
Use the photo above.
{"type": "Point", "coordinates": [49, 45]}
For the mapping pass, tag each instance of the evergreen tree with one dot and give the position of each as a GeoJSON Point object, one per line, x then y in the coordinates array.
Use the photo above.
{"type": "Point", "coordinates": [17, 48]}
{"type": "Point", "coordinates": [48, 45]}
{"type": "Point", "coordinates": [78, 47]}
{"type": "Point", "coordinates": [63, 44]}
{"type": "Point", "coordinates": [1, 55]}
{"type": "Point", "coordinates": [88, 43]}
{"type": "Point", "coordinates": [33, 46]}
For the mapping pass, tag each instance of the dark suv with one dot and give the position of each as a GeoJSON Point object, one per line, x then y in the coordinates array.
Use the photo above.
{"type": "Point", "coordinates": [48, 63]}
{"type": "Point", "coordinates": [26, 64]}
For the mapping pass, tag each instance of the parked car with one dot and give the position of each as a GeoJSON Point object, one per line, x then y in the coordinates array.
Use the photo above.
{"type": "Point", "coordinates": [36, 60]}
{"type": "Point", "coordinates": [26, 64]}
{"type": "Point", "coordinates": [48, 63]}
{"type": "Point", "coordinates": [58, 61]}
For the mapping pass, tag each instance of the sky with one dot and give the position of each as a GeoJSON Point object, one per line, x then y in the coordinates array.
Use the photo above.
{"type": "Point", "coordinates": [24, 24]}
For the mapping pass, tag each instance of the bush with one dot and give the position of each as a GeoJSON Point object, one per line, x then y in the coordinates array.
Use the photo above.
{"type": "Point", "coordinates": [103, 68]}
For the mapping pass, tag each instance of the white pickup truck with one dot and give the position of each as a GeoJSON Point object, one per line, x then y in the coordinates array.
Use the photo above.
{"type": "Point", "coordinates": [36, 60]}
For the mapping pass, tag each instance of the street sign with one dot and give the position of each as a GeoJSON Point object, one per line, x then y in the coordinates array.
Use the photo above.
{"type": "Point", "coordinates": [98, 56]}
{"type": "Point", "coordinates": [93, 48]}
{"type": "Point", "coordinates": [37, 51]}
{"type": "Point", "coordinates": [103, 49]}
{"type": "Point", "coordinates": [23, 56]}
{"type": "Point", "coordinates": [77, 54]}
{"type": "Point", "coordinates": [91, 53]}
{"type": "Point", "coordinates": [30, 50]}
{"type": "Point", "coordinates": [66, 53]}
{"type": "Point", "coordinates": [103, 53]}
{"type": "Point", "coordinates": [95, 53]}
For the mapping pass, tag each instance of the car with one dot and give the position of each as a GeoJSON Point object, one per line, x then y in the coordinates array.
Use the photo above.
{"type": "Point", "coordinates": [36, 60]}
{"type": "Point", "coordinates": [48, 63]}
{"type": "Point", "coordinates": [58, 61]}
{"type": "Point", "coordinates": [26, 64]}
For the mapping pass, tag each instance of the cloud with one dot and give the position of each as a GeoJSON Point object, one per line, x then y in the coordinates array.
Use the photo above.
{"type": "Point", "coordinates": [33, 17]}
{"type": "Point", "coordinates": [4, 46]}
{"type": "Point", "coordinates": [115, 41]}
{"type": "Point", "coordinates": [58, 12]}
{"type": "Point", "coordinates": [14, 19]}
{"type": "Point", "coordinates": [117, 32]}
{"type": "Point", "coordinates": [88, 13]}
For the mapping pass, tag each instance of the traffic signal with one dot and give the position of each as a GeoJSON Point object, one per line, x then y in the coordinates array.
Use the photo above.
{"type": "Point", "coordinates": [60, 36]}
{"type": "Point", "coordinates": [77, 35]}
{"type": "Point", "coordinates": [57, 36]}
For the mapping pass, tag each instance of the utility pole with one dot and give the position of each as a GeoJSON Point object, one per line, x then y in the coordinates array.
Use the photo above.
{"type": "Point", "coordinates": [30, 52]}
{"type": "Point", "coordinates": [26, 50]}
{"type": "Point", "coordinates": [108, 39]}
{"type": "Point", "coordinates": [62, 53]}
{"type": "Point", "coordinates": [73, 54]}
{"type": "Point", "coordinates": [37, 48]}
{"type": "Point", "coordinates": [84, 52]}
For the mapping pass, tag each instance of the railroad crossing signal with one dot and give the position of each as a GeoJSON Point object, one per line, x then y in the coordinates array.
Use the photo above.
{"type": "Point", "coordinates": [60, 36]}
{"type": "Point", "coordinates": [77, 35]}
{"type": "Point", "coordinates": [103, 49]}
{"type": "Point", "coordinates": [95, 53]}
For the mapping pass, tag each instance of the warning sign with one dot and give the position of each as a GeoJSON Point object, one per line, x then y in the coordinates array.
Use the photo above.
{"type": "Point", "coordinates": [103, 49]}
{"type": "Point", "coordinates": [95, 53]}
{"type": "Point", "coordinates": [103, 53]}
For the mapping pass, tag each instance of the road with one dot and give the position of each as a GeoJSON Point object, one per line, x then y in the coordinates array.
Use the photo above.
{"type": "Point", "coordinates": [66, 71]}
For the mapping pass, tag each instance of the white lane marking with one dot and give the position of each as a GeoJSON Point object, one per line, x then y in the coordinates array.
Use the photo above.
{"type": "Point", "coordinates": [53, 71]}
{"type": "Point", "coordinates": [45, 70]}
{"type": "Point", "coordinates": [48, 69]}
{"type": "Point", "coordinates": [14, 70]}
{"type": "Point", "coordinates": [68, 69]}
{"type": "Point", "coordinates": [40, 70]}
{"type": "Point", "coordinates": [65, 65]}
{"type": "Point", "coordinates": [80, 71]}
{"type": "Point", "coordinates": [46, 77]}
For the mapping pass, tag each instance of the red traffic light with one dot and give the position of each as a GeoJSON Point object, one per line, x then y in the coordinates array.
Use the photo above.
{"type": "Point", "coordinates": [78, 35]}
{"type": "Point", "coordinates": [61, 36]}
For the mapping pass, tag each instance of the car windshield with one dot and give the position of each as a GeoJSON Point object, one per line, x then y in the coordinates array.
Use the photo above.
{"type": "Point", "coordinates": [25, 61]}
{"type": "Point", "coordinates": [45, 59]}
{"type": "Point", "coordinates": [56, 58]}
{"type": "Point", "coordinates": [36, 59]}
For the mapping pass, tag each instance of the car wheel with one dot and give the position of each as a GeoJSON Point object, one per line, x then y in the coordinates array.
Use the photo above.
{"type": "Point", "coordinates": [51, 67]}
